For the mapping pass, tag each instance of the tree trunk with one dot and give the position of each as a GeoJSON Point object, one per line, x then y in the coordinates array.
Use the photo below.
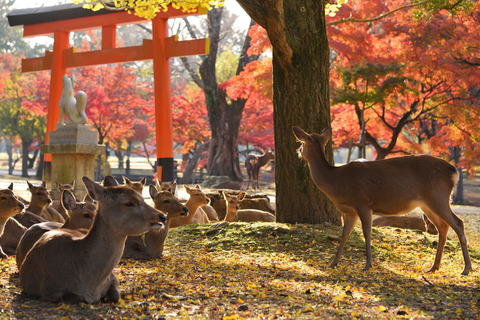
{"type": "Point", "coordinates": [224, 117]}
{"type": "Point", "coordinates": [301, 98]}
{"type": "Point", "coordinates": [25, 145]}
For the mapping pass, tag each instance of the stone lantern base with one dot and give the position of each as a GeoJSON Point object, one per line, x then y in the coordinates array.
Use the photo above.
{"type": "Point", "coordinates": [73, 148]}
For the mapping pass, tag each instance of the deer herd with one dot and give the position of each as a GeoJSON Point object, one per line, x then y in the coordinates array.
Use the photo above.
{"type": "Point", "coordinates": [66, 250]}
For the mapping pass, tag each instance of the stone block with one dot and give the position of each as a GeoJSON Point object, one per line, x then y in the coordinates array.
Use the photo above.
{"type": "Point", "coordinates": [73, 133]}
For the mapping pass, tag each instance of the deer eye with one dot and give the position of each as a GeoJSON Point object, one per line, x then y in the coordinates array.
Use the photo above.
{"type": "Point", "coordinates": [86, 216]}
{"type": "Point", "coordinates": [129, 204]}
{"type": "Point", "coordinates": [166, 201]}
{"type": "Point", "coordinates": [4, 198]}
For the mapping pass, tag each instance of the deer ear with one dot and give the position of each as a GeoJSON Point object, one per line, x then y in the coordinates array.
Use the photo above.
{"type": "Point", "coordinates": [126, 180]}
{"type": "Point", "coordinates": [143, 180]}
{"type": "Point", "coordinates": [88, 199]}
{"type": "Point", "coordinates": [10, 186]}
{"type": "Point", "coordinates": [95, 191]}
{"type": "Point", "coordinates": [57, 184]}
{"type": "Point", "coordinates": [44, 184]}
{"type": "Point", "coordinates": [73, 184]}
{"type": "Point", "coordinates": [110, 181]}
{"type": "Point", "coordinates": [327, 132]}
{"type": "Point", "coordinates": [68, 200]}
{"type": "Point", "coordinates": [153, 191]}
{"type": "Point", "coordinates": [173, 187]}
{"type": "Point", "coordinates": [300, 134]}
{"type": "Point", "coordinates": [30, 186]}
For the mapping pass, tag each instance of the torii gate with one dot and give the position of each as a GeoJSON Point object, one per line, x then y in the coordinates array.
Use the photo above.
{"type": "Point", "coordinates": [60, 20]}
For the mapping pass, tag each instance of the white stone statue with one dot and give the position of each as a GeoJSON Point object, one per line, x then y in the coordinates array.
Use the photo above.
{"type": "Point", "coordinates": [70, 106]}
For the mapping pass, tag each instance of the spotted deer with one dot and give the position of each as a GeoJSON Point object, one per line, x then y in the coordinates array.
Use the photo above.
{"type": "Point", "coordinates": [387, 187]}
{"type": "Point", "coordinates": [234, 213]}
{"type": "Point", "coordinates": [80, 217]}
{"type": "Point", "coordinates": [150, 245]}
{"type": "Point", "coordinates": [69, 266]}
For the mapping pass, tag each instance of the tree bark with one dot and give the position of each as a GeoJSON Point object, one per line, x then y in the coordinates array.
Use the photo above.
{"type": "Point", "coordinates": [224, 117]}
{"type": "Point", "coordinates": [301, 97]}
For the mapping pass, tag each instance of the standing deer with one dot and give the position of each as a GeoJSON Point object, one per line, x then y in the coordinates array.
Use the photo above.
{"type": "Point", "coordinates": [66, 265]}
{"type": "Point", "coordinates": [150, 245]}
{"type": "Point", "coordinates": [253, 163]}
{"type": "Point", "coordinates": [385, 187]}
{"type": "Point", "coordinates": [233, 213]}
{"type": "Point", "coordinates": [196, 215]}
{"type": "Point", "coordinates": [40, 203]}
{"type": "Point", "coordinates": [9, 206]}
{"type": "Point", "coordinates": [80, 217]}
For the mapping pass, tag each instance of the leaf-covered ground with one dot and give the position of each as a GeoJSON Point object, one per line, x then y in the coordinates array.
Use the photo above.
{"type": "Point", "coordinates": [279, 271]}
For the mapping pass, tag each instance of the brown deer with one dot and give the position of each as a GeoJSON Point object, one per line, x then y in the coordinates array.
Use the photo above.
{"type": "Point", "coordinates": [196, 200]}
{"type": "Point", "coordinates": [207, 209]}
{"type": "Point", "coordinates": [9, 206]}
{"type": "Point", "coordinates": [385, 187]}
{"type": "Point", "coordinates": [57, 204]}
{"type": "Point", "coordinates": [150, 245]}
{"type": "Point", "coordinates": [253, 163]}
{"type": "Point", "coordinates": [406, 222]}
{"type": "Point", "coordinates": [66, 265]}
{"type": "Point", "coordinates": [234, 213]}
{"type": "Point", "coordinates": [40, 203]}
{"type": "Point", "coordinates": [80, 217]}
{"type": "Point", "coordinates": [135, 185]}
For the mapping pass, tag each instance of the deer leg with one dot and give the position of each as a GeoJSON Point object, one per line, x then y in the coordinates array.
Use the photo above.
{"type": "Point", "coordinates": [366, 219]}
{"type": "Point", "coordinates": [113, 294]}
{"type": "Point", "coordinates": [449, 218]}
{"type": "Point", "coordinates": [442, 228]}
{"type": "Point", "coordinates": [350, 221]}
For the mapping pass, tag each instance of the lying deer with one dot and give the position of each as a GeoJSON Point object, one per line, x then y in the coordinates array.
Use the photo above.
{"type": "Point", "coordinates": [80, 217]}
{"type": "Point", "coordinates": [9, 206]}
{"type": "Point", "coordinates": [211, 213]}
{"type": "Point", "coordinates": [66, 265]}
{"type": "Point", "coordinates": [406, 222]}
{"type": "Point", "coordinates": [196, 200]}
{"type": "Point", "coordinates": [40, 203]}
{"type": "Point", "coordinates": [253, 163]}
{"type": "Point", "coordinates": [385, 187]}
{"type": "Point", "coordinates": [57, 204]}
{"type": "Point", "coordinates": [248, 215]}
{"type": "Point", "coordinates": [135, 185]}
{"type": "Point", "coordinates": [150, 245]}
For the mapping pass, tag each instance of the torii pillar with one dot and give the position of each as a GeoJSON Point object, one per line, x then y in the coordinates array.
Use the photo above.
{"type": "Point", "coordinates": [61, 20]}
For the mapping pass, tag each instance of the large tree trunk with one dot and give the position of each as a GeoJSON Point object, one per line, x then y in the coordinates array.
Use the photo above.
{"type": "Point", "coordinates": [301, 98]}
{"type": "Point", "coordinates": [224, 117]}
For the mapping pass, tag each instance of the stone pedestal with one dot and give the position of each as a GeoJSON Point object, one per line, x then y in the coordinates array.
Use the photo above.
{"type": "Point", "coordinates": [73, 148]}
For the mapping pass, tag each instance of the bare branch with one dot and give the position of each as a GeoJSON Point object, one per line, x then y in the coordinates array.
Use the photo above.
{"type": "Point", "coordinates": [194, 75]}
{"type": "Point", "coordinates": [383, 15]}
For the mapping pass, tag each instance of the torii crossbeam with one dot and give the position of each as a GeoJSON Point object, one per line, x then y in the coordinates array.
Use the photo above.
{"type": "Point", "coordinates": [60, 20]}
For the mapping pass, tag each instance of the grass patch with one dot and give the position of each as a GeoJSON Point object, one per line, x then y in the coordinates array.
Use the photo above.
{"type": "Point", "coordinates": [272, 270]}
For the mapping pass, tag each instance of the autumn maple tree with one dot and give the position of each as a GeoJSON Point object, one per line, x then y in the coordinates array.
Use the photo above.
{"type": "Point", "coordinates": [301, 93]}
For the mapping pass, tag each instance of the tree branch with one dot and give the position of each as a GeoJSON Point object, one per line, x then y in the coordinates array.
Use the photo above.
{"type": "Point", "coordinates": [383, 15]}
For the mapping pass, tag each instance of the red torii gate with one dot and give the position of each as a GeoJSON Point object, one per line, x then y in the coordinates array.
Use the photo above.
{"type": "Point", "coordinates": [62, 19]}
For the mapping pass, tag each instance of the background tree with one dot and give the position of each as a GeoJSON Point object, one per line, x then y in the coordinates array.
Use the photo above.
{"type": "Point", "coordinates": [301, 59]}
